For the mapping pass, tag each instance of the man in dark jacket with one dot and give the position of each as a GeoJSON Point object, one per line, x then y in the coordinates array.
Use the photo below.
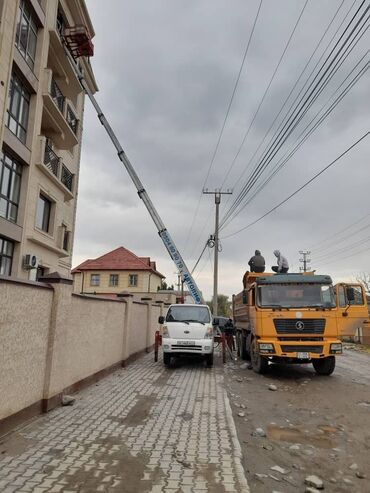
{"type": "Point", "coordinates": [257, 262]}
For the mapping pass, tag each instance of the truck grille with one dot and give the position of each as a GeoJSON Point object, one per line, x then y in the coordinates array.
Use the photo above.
{"type": "Point", "coordinates": [186, 348]}
{"type": "Point", "coordinates": [299, 325]}
{"type": "Point", "coordinates": [305, 349]}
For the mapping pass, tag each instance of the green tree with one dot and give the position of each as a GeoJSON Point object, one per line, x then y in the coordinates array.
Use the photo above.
{"type": "Point", "coordinates": [165, 286]}
{"type": "Point", "coordinates": [224, 305]}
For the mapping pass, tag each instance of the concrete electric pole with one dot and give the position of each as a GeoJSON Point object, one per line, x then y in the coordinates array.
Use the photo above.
{"type": "Point", "coordinates": [215, 238]}
{"type": "Point", "coordinates": [305, 260]}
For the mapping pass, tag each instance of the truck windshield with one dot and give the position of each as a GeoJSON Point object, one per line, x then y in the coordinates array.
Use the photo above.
{"type": "Point", "coordinates": [296, 296]}
{"type": "Point", "coordinates": [181, 313]}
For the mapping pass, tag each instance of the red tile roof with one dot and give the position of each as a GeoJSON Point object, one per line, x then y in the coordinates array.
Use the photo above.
{"type": "Point", "coordinates": [118, 259]}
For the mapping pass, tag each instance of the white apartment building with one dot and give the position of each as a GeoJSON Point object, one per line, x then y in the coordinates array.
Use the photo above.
{"type": "Point", "coordinates": [41, 114]}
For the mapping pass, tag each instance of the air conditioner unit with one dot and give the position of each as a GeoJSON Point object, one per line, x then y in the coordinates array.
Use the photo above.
{"type": "Point", "coordinates": [30, 262]}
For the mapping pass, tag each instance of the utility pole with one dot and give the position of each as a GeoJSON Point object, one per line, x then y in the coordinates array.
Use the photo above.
{"type": "Point", "coordinates": [305, 260]}
{"type": "Point", "coordinates": [215, 238]}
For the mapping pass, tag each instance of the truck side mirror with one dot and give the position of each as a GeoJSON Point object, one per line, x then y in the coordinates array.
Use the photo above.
{"type": "Point", "coordinates": [350, 294]}
{"type": "Point", "coordinates": [216, 321]}
{"type": "Point", "coordinates": [161, 320]}
{"type": "Point", "coordinates": [245, 298]}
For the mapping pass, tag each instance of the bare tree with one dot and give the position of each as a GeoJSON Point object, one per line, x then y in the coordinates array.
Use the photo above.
{"type": "Point", "coordinates": [364, 278]}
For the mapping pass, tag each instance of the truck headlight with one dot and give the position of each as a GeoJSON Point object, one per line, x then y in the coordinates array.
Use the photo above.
{"type": "Point", "coordinates": [165, 332]}
{"type": "Point", "coordinates": [266, 348]}
{"type": "Point", "coordinates": [209, 333]}
{"type": "Point", "coordinates": [336, 348]}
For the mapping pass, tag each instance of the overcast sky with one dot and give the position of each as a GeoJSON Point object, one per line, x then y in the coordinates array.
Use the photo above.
{"type": "Point", "coordinates": [166, 71]}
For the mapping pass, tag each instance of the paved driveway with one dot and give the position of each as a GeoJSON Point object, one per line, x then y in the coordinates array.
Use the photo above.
{"type": "Point", "coordinates": [143, 429]}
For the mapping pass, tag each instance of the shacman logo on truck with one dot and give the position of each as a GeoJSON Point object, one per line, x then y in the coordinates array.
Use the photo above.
{"type": "Point", "coordinates": [299, 325]}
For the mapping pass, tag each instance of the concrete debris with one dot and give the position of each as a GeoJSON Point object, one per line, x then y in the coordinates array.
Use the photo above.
{"type": "Point", "coordinates": [261, 476]}
{"type": "Point", "coordinates": [309, 489]}
{"type": "Point", "coordinates": [241, 414]}
{"type": "Point", "coordinates": [272, 387]}
{"type": "Point", "coordinates": [267, 446]}
{"type": "Point", "coordinates": [260, 432]}
{"type": "Point", "coordinates": [243, 366]}
{"type": "Point", "coordinates": [68, 400]}
{"type": "Point", "coordinates": [314, 481]}
{"type": "Point", "coordinates": [274, 477]}
{"type": "Point", "coordinates": [364, 404]}
{"type": "Point", "coordinates": [353, 467]}
{"type": "Point", "coordinates": [243, 406]}
{"type": "Point", "coordinates": [347, 481]}
{"type": "Point", "coordinates": [236, 404]}
{"type": "Point", "coordinates": [360, 475]}
{"type": "Point", "coordinates": [333, 480]}
{"type": "Point", "coordinates": [279, 469]}
{"type": "Point", "coordinates": [239, 379]}
{"type": "Point", "coordinates": [295, 447]}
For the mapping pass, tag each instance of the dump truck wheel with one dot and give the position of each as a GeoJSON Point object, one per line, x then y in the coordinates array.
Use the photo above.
{"type": "Point", "coordinates": [166, 359]}
{"type": "Point", "coordinates": [259, 363]}
{"type": "Point", "coordinates": [243, 346]}
{"type": "Point", "coordinates": [324, 366]}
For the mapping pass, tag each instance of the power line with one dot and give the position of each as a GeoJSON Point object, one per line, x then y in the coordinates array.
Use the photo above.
{"type": "Point", "coordinates": [302, 187]}
{"type": "Point", "coordinates": [265, 93]}
{"type": "Point", "coordinates": [225, 120]}
{"type": "Point", "coordinates": [300, 109]}
{"type": "Point", "coordinates": [306, 134]}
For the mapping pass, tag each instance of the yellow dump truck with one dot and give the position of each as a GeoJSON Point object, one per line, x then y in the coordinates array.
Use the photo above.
{"type": "Point", "coordinates": [295, 318]}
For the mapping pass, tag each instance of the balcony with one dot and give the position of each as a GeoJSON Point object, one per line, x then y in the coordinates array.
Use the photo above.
{"type": "Point", "coordinates": [59, 117]}
{"type": "Point", "coordinates": [52, 166]}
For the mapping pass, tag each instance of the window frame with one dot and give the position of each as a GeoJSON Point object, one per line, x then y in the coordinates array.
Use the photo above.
{"type": "Point", "coordinates": [43, 197]}
{"type": "Point", "coordinates": [4, 255]}
{"type": "Point", "coordinates": [130, 283]}
{"type": "Point", "coordinates": [26, 18]}
{"type": "Point", "coordinates": [116, 282]}
{"type": "Point", "coordinates": [18, 120]}
{"type": "Point", "coordinates": [95, 283]}
{"type": "Point", "coordinates": [15, 170]}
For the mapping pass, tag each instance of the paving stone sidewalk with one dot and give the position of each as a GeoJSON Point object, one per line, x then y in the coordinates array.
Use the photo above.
{"type": "Point", "coordinates": [142, 429]}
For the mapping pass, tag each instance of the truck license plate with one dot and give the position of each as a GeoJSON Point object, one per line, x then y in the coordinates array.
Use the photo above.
{"type": "Point", "coordinates": [303, 355]}
{"type": "Point", "coordinates": [186, 343]}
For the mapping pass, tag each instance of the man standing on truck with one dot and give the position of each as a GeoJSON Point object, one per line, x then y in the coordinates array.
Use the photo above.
{"type": "Point", "coordinates": [257, 262]}
{"type": "Point", "coordinates": [282, 266]}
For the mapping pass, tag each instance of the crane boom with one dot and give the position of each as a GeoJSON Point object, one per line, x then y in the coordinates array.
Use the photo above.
{"type": "Point", "coordinates": [143, 194]}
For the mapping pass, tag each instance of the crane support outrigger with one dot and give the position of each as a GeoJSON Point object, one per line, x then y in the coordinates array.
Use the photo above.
{"type": "Point", "coordinates": [143, 194]}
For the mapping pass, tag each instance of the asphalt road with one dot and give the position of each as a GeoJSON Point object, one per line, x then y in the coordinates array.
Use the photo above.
{"type": "Point", "coordinates": [313, 425]}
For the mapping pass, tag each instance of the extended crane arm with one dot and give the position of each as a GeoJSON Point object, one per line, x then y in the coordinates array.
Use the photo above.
{"type": "Point", "coordinates": [162, 231]}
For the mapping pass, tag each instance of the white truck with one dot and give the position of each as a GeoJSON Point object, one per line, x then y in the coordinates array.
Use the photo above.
{"type": "Point", "coordinates": [187, 330]}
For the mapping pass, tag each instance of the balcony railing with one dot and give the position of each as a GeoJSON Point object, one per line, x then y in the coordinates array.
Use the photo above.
{"type": "Point", "coordinates": [67, 178]}
{"type": "Point", "coordinates": [57, 95]}
{"type": "Point", "coordinates": [51, 160]}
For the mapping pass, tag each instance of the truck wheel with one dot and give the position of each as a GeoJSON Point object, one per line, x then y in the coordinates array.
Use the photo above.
{"type": "Point", "coordinates": [243, 346]}
{"type": "Point", "coordinates": [209, 359]}
{"type": "Point", "coordinates": [259, 363]}
{"type": "Point", "coordinates": [166, 359]}
{"type": "Point", "coordinates": [324, 366]}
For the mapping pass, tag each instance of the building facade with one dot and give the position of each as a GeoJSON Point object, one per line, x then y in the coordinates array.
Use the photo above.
{"type": "Point", "coordinates": [115, 272]}
{"type": "Point", "coordinates": [41, 113]}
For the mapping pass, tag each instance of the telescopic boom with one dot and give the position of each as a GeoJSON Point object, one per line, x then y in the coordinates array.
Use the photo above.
{"type": "Point", "coordinates": [143, 194]}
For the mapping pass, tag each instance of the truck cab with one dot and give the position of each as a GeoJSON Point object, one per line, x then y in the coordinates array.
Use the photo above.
{"type": "Point", "coordinates": [187, 330]}
{"type": "Point", "coordinates": [292, 318]}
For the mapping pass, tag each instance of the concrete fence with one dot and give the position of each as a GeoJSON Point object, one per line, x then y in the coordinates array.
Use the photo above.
{"type": "Point", "coordinates": [53, 341]}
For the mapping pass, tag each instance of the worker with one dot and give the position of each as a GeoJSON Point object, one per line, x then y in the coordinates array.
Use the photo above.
{"type": "Point", "coordinates": [282, 266]}
{"type": "Point", "coordinates": [257, 262]}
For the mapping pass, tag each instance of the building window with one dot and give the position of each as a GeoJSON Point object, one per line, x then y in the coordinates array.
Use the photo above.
{"type": "Point", "coordinates": [26, 35]}
{"type": "Point", "coordinates": [113, 280]}
{"type": "Point", "coordinates": [65, 238]}
{"type": "Point", "coordinates": [95, 280]}
{"type": "Point", "coordinates": [18, 108]}
{"type": "Point", "coordinates": [10, 185]}
{"type": "Point", "coordinates": [6, 256]}
{"type": "Point", "coordinates": [132, 280]}
{"type": "Point", "coordinates": [43, 213]}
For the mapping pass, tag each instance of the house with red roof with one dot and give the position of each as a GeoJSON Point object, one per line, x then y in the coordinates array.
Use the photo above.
{"type": "Point", "coordinates": [115, 272]}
